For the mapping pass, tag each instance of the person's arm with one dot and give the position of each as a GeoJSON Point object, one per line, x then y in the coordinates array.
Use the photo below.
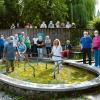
{"type": "Point", "coordinates": [51, 52]}
{"type": "Point", "coordinates": [81, 46]}
{"type": "Point", "coordinates": [4, 51]}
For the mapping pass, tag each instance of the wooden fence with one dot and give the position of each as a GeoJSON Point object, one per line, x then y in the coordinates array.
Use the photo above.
{"type": "Point", "coordinates": [61, 33]}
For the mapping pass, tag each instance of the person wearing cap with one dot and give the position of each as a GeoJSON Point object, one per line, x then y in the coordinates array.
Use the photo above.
{"type": "Point", "coordinates": [86, 45]}
{"type": "Point", "coordinates": [9, 54]}
{"type": "Point", "coordinates": [96, 48]}
{"type": "Point", "coordinates": [48, 45]}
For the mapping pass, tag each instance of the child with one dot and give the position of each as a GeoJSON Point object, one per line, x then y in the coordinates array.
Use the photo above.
{"type": "Point", "coordinates": [57, 53]}
{"type": "Point", "coordinates": [9, 54]}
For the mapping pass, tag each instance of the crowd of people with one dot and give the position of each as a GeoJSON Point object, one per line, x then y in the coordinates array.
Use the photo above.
{"type": "Point", "coordinates": [51, 24]}
{"type": "Point", "coordinates": [14, 46]}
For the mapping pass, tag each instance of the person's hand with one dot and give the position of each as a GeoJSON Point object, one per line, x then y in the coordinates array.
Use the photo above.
{"type": "Point", "coordinates": [50, 54]}
{"type": "Point", "coordinates": [92, 50]}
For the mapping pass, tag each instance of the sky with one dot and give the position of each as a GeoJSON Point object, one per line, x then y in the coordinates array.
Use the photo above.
{"type": "Point", "coordinates": [97, 5]}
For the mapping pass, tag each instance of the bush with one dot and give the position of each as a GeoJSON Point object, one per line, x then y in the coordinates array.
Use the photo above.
{"type": "Point", "coordinates": [95, 24]}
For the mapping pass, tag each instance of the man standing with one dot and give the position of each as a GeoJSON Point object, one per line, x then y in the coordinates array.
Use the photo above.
{"type": "Point", "coordinates": [86, 44]}
{"type": "Point", "coordinates": [9, 54]}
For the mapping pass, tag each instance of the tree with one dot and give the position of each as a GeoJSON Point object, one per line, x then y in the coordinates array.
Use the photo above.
{"type": "Point", "coordinates": [94, 24]}
{"type": "Point", "coordinates": [11, 12]}
{"type": "Point", "coordinates": [36, 11]}
{"type": "Point", "coordinates": [83, 11]}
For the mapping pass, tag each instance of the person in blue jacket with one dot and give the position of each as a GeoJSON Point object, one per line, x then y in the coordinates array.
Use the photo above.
{"type": "Point", "coordinates": [1, 46]}
{"type": "Point", "coordinates": [86, 45]}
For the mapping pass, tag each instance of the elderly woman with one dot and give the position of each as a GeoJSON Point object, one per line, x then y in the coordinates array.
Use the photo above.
{"type": "Point", "coordinates": [96, 47]}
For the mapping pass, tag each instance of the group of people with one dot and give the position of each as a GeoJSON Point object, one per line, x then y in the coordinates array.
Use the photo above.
{"type": "Point", "coordinates": [13, 46]}
{"type": "Point", "coordinates": [51, 24]}
{"type": "Point", "coordinates": [57, 25]}
{"type": "Point", "coordinates": [89, 45]}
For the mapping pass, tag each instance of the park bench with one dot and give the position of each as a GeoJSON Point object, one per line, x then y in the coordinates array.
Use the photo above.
{"type": "Point", "coordinates": [76, 53]}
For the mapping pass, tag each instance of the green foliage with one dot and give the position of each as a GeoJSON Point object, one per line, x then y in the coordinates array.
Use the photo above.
{"type": "Point", "coordinates": [83, 11]}
{"type": "Point", "coordinates": [94, 24]}
{"type": "Point", "coordinates": [36, 11]}
{"type": "Point", "coordinates": [12, 11]}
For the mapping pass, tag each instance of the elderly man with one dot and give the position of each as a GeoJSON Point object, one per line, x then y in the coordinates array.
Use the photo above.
{"type": "Point", "coordinates": [86, 44]}
{"type": "Point", "coordinates": [9, 54]}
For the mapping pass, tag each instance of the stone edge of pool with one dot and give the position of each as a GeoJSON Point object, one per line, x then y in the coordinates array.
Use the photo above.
{"type": "Point", "coordinates": [15, 83]}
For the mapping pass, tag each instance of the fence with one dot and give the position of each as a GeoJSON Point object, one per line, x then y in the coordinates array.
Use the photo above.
{"type": "Point", "coordinates": [61, 33]}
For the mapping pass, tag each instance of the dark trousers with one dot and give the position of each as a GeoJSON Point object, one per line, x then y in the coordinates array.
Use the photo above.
{"type": "Point", "coordinates": [86, 53]}
{"type": "Point", "coordinates": [28, 51]}
{"type": "Point", "coordinates": [1, 52]}
{"type": "Point", "coordinates": [48, 49]}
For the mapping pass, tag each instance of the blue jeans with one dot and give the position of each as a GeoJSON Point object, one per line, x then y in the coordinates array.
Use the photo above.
{"type": "Point", "coordinates": [40, 52]}
{"type": "Point", "coordinates": [97, 57]}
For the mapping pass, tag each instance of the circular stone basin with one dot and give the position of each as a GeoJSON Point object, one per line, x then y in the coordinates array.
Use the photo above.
{"type": "Point", "coordinates": [67, 75]}
{"type": "Point", "coordinates": [73, 76]}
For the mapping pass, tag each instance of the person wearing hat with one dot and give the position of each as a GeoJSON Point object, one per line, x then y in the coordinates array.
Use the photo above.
{"type": "Point", "coordinates": [96, 48]}
{"type": "Point", "coordinates": [9, 54]}
{"type": "Point", "coordinates": [86, 45]}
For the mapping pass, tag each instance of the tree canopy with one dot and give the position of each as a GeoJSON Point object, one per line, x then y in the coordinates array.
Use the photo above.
{"type": "Point", "coordinates": [36, 11]}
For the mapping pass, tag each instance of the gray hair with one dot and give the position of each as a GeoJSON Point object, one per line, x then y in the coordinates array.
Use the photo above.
{"type": "Point", "coordinates": [96, 32]}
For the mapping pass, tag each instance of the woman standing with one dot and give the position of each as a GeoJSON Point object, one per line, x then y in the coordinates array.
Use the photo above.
{"type": "Point", "coordinates": [57, 53]}
{"type": "Point", "coordinates": [96, 47]}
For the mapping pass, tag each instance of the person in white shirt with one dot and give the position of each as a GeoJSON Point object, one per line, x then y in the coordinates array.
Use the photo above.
{"type": "Point", "coordinates": [57, 24]}
{"type": "Point", "coordinates": [15, 40]}
{"type": "Point", "coordinates": [43, 25]}
{"type": "Point", "coordinates": [68, 25]}
{"type": "Point", "coordinates": [57, 53]}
